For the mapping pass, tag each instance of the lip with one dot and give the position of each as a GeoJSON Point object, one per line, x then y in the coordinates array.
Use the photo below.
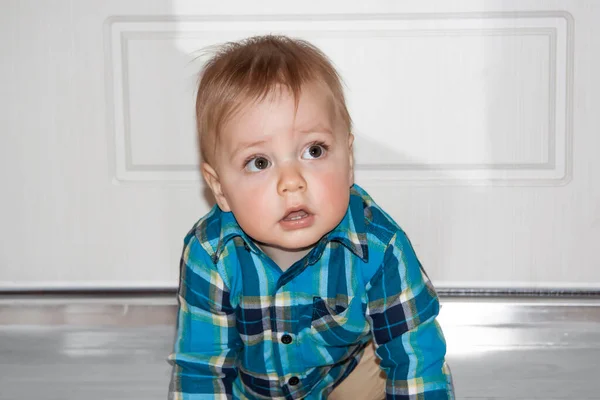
{"type": "Point", "coordinates": [303, 222]}
{"type": "Point", "coordinates": [295, 208]}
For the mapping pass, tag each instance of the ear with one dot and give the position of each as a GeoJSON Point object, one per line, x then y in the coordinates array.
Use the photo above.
{"type": "Point", "coordinates": [351, 156]}
{"type": "Point", "coordinates": [212, 179]}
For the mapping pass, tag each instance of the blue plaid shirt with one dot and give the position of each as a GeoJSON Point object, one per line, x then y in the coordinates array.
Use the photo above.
{"type": "Point", "coordinates": [247, 330]}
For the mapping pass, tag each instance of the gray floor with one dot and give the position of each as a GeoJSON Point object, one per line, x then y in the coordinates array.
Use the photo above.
{"type": "Point", "coordinates": [116, 349]}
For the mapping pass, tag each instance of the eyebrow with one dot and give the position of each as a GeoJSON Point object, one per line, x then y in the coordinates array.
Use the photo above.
{"type": "Point", "coordinates": [244, 146]}
{"type": "Point", "coordinates": [317, 129]}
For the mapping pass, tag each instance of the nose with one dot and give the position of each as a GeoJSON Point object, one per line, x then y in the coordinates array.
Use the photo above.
{"type": "Point", "coordinates": [290, 180]}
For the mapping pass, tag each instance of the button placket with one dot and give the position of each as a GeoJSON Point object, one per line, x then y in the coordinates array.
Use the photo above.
{"type": "Point", "coordinates": [293, 381]}
{"type": "Point", "coordinates": [286, 339]}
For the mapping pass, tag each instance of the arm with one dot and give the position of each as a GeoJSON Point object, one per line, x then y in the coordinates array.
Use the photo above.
{"type": "Point", "coordinates": [207, 342]}
{"type": "Point", "coordinates": [402, 309]}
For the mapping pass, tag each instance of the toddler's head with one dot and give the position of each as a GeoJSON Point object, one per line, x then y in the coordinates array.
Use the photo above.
{"type": "Point", "coordinates": [275, 140]}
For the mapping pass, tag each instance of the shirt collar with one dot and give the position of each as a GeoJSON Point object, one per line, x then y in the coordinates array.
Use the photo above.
{"type": "Point", "coordinates": [230, 229]}
{"type": "Point", "coordinates": [350, 232]}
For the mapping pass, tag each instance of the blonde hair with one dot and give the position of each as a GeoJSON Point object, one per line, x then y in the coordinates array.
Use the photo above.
{"type": "Point", "coordinates": [251, 69]}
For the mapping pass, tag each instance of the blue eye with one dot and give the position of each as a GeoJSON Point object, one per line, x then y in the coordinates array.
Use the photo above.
{"type": "Point", "coordinates": [314, 151]}
{"type": "Point", "coordinates": [257, 164]}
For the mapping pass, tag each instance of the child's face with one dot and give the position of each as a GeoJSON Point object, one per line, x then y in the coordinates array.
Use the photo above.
{"type": "Point", "coordinates": [285, 175]}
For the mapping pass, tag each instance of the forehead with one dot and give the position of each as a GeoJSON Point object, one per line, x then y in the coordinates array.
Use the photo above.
{"type": "Point", "coordinates": [280, 111]}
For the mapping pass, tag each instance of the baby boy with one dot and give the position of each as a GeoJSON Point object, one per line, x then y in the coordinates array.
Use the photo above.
{"type": "Point", "coordinates": [296, 285]}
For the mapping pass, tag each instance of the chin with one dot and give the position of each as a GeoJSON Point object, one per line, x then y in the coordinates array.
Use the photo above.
{"type": "Point", "coordinates": [301, 243]}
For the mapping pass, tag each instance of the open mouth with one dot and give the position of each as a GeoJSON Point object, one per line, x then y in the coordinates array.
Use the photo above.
{"type": "Point", "coordinates": [297, 218]}
{"type": "Point", "coordinates": [296, 215]}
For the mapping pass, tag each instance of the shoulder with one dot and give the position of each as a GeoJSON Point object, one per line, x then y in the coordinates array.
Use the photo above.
{"type": "Point", "coordinates": [205, 233]}
{"type": "Point", "coordinates": [200, 243]}
{"type": "Point", "coordinates": [381, 229]}
{"type": "Point", "coordinates": [384, 237]}
{"type": "Point", "coordinates": [201, 250]}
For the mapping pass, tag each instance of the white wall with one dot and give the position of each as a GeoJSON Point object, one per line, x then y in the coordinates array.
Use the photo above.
{"type": "Point", "coordinates": [476, 125]}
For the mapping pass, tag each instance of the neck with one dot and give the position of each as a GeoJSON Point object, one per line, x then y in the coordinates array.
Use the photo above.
{"type": "Point", "coordinates": [282, 257]}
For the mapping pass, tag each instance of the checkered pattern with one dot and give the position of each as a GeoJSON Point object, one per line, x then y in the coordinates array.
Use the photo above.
{"type": "Point", "coordinates": [361, 282]}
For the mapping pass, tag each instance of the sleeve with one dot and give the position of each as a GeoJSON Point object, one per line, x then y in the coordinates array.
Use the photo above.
{"type": "Point", "coordinates": [207, 342]}
{"type": "Point", "coordinates": [402, 309]}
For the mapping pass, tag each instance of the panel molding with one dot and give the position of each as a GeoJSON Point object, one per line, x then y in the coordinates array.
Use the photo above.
{"type": "Point", "coordinates": [557, 170]}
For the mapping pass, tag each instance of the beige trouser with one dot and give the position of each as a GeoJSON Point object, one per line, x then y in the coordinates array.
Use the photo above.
{"type": "Point", "coordinates": [366, 382]}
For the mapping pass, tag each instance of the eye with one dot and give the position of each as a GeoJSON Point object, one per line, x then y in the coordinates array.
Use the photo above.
{"type": "Point", "coordinates": [257, 164]}
{"type": "Point", "coordinates": [314, 151]}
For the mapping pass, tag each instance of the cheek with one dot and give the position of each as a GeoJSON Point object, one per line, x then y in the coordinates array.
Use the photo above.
{"type": "Point", "coordinates": [248, 197]}
{"type": "Point", "coordinates": [334, 177]}
{"type": "Point", "coordinates": [238, 184]}
{"type": "Point", "coordinates": [333, 188]}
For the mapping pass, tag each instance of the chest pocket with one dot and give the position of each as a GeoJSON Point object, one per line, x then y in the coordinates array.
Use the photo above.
{"type": "Point", "coordinates": [338, 321]}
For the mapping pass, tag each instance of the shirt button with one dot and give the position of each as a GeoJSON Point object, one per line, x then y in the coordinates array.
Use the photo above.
{"type": "Point", "coordinates": [294, 381]}
{"type": "Point", "coordinates": [286, 339]}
